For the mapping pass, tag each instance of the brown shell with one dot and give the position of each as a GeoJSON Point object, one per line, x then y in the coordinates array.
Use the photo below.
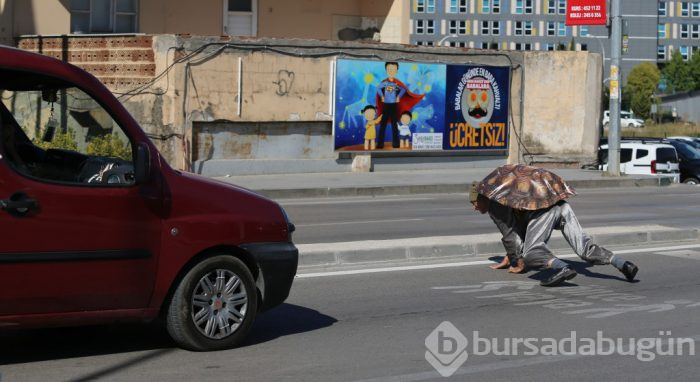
{"type": "Point", "coordinates": [524, 187]}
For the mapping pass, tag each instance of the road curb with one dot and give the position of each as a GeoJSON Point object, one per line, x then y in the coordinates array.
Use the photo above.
{"type": "Point", "coordinates": [464, 248]}
{"type": "Point", "coordinates": [444, 188]}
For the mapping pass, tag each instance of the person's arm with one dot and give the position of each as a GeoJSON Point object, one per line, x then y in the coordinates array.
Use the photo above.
{"type": "Point", "coordinates": [505, 221]}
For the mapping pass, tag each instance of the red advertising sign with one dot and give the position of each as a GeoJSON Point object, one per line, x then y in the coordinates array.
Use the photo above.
{"type": "Point", "coordinates": [585, 12]}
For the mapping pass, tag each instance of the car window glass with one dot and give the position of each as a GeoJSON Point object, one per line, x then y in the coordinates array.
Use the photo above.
{"type": "Point", "coordinates": [641, 153]}
{"type": "Point", "coordinates": [63, 135]}
{"type": "Point", "coordinates": [625, 155]}
{"type": "Point", "coordinates": [687, 151]}
{"type": "Point", "coordinates": [666, 154]}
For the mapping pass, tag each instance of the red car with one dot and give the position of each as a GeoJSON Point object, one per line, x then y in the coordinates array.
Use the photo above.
{"type": "Point", "coordinates": [96, 227]}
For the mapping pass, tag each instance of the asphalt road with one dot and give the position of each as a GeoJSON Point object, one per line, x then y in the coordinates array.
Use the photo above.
{"type": "Point", "coordinates": [329, 220]}
{"type": "Point", "coordinates": [374, 327]}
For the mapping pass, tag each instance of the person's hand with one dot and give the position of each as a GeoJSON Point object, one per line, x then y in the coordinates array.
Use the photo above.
{"type": "Point", "coordinates": [505, 263]}
{"type": "Point", "coordinates": [398, 99]}
{"type": "Point", "coordinates": [519, 267]}
{"type": "Point", "coordinates": [382, 98]}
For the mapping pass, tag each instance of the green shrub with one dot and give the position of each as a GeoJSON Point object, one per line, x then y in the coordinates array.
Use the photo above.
{"type": "Point", "coordinates": [109, 145]}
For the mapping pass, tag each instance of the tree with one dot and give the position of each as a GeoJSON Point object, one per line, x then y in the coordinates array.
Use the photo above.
{"type": "Point", "coordinates": [694, 65]}
{"type": "Point", "coordinates": [641, 84]}
{"type": "Point", "coordinates": [677, 73]}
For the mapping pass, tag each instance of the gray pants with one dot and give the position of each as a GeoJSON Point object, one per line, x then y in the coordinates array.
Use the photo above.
{"type": "Point", "coordinates": [526, 233]}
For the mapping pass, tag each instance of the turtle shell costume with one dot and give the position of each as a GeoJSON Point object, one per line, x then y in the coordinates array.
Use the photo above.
{"type": "Point", "coordinates": [523, 187]}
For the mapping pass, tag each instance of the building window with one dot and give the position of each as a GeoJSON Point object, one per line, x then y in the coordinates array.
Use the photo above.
{"type": "Point", "coordinates": [551, 7]}
{"type": "Point", "coordinates": [583, 30]}
{"type": "Point", "coordinates": [430, 6]}
{"type": "Point", "coordinates": [462, 27]}
{"type": "Point", "coordinates": [518, 28]}
{"type": "Point", "coordinates": [528, 28]}
{"type": "Point", "coordinates": [528, 7]}
{"type": "Point", "coordinates": [462, 44]}
{"type": "Point", "coordinates": [561, 30]}
{"type": "Point", "coordinates": [485, 28]}
{"type": "Point", "coordinates": [695, 31]}
{"type": "Point", "coordinates": [496, 28]}
{"type": "Point", "coordinates": [684, 52]}
{"type": "Point", "coordinates": [696, 9]}
{"type": "Point", "coordinates": [662, 30]}
{"type": "Point", "coordinates": [496, 8]}
{"type": "Point", "coordinates": [551, 28]}
{"type": "Point", "coordinates": [685, 30]}
{"type": "Point", "coordinates": [584, 47]}
{"type": "Point", "coordinates": [104, 16]}
{"type": "Point", "coordinates": [453, 6]}
{"type": "Point", "coordinates": [685, 9]}
{"type": "Point", "coordinates": [562, 7]}
{"type": "Point", "coordinates": [453, 26]}
{"type": "Point", "coordinates": [518, 7]}
{"type": "Point", "coordinates": [661, 52]}
{"type": "Point", "coordinates": [662, 8]}
{"type": "Point", "coordinates": [485, 6]}
{"type": "Point", "coordinates": [420, 27]}
{"type": "Point", "coordinates": [523, 46]}
{"type": "Point", "coordinates": [430, 27]}
{"type": "Point", "coordinates": [550, 47]}
{"type": "Point", "coordinates": [484, 45]}
{"type": "Point", "coordinates": [420, 8]}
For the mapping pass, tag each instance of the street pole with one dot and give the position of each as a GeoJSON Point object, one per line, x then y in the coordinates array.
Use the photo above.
{"type": "Point", "coordinates": [614, 132]}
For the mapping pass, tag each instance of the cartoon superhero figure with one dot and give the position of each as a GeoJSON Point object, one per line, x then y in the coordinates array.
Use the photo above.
{"type": "Point", "coordinates": [393, 98]}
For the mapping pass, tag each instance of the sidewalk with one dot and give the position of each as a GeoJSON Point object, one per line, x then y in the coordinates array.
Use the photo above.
{"type": "Point", "coordinates": [313, 185]}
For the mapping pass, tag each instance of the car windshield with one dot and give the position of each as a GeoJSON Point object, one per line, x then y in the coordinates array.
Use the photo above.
{"type": "Point", "coordinates": [687, 151]}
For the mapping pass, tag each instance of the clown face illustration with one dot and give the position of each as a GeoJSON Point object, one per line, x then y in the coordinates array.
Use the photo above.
{"type": "Point", "coordinates": [477, 101]}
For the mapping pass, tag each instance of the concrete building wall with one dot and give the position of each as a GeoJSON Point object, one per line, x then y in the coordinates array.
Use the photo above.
{"type": "Point", "coordinates": [202, 17]}
{"type": "Point", "coordinates": [562, 114]}
{"type": "Point", "coordinates": [306, 19]}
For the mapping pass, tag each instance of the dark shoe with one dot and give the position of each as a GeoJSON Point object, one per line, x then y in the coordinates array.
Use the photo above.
{"type": "Point", "coordinates": [559, 277]}
{"type": "Point", "coordinates": [629, 270]}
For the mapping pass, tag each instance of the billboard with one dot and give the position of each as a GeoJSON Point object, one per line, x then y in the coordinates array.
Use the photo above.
{"type": "Point", "coordinates": [411, 106]}
{"type": "Point", "coordinates": [586, 12]}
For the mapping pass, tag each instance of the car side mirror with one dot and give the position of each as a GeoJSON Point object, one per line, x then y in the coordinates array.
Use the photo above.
{"type": "Point", "coordinates": [142, 166]}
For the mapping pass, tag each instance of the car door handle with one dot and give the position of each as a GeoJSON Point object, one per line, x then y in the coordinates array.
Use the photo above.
{"type": "Point", "coordinates": [19, 204]}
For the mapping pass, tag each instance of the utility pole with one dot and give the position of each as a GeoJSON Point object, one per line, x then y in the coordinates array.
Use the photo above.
{"type": "Point", "coordinates": [614, 132]}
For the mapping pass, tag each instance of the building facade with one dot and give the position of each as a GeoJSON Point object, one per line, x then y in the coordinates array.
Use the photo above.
{"type": "Point", "coordinates": [383, 20]}
{"type": "Point", "coordinates": [652, 30]}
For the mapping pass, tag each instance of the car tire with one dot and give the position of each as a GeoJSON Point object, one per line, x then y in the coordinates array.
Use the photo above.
{"type": "Point", "coordinates": [694, 181]}
{"type": "Point", "coordinates": [214, 305]}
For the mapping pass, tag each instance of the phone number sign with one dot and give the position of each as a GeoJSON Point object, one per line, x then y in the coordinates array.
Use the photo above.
{"type": "Point", "coordinates": [586, 12]}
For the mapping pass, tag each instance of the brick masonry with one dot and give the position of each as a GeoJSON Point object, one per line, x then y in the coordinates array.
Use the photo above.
{"type": "Point", "coordinates": [118, 61]}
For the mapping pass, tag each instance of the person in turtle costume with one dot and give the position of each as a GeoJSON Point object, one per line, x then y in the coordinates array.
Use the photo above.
{"type": "Point", "coordinates": [526, 204]}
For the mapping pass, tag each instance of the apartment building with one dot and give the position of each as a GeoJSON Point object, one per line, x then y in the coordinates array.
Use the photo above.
{"type": "Point", "coordinates": [652, 31]}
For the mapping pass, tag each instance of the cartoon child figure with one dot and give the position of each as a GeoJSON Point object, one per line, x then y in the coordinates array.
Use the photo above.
{"type": "Point", "coordinates": [405, 128]}
{"type": "Point", "coordinates": [370, 112]}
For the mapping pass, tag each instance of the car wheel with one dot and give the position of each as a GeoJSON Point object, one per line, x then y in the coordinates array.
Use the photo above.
{"type": "Point", "coordinates": [691, 181]}
{"type": "Point", "coordinates": [214, 305]}
{"type": "Point", "coordinates": [630, 125]}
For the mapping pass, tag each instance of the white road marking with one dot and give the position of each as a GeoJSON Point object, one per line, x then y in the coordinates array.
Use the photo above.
{"type": "Point", "coordinates": [683, 254]}
{"type": "Point", "coordinates": [304, 202]}
{"type": "Point", "coordinates": [358, 222]}
{"type": "Point", "coordinates": [469, 263]}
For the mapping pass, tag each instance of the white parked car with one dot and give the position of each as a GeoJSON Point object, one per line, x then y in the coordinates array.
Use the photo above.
{"type": "Point", "coordinates": [627, 119]}
{"type": "Point", "coordinates": [644, 157]}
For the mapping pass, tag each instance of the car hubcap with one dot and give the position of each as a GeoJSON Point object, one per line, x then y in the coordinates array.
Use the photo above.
{"type": "Point", "coordinates": [219, 304]}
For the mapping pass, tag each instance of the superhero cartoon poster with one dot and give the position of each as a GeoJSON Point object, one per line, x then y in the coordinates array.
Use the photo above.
{"type": "Point", "coordinates": [410, 106]}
